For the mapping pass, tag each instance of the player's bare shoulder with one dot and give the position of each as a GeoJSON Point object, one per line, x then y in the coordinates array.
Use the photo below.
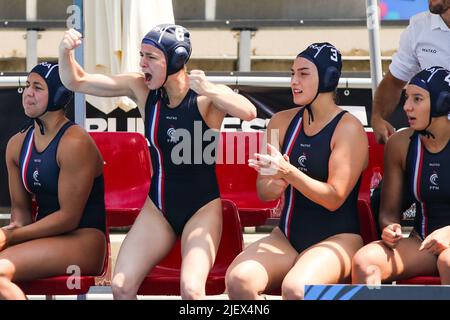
{"type": "Point", "coordinates": [282, 119]}
{"type": "Point", "coordinates": [14, 146]}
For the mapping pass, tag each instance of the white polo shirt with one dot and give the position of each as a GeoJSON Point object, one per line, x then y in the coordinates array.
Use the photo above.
{"type": "Point", "coordinates": [425, 43]}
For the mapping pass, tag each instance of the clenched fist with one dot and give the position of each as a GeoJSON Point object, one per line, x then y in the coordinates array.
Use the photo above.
{"type": "Point", "coordinates": [199, 83]}
{"type": "Point", "coordinates": [71, 40]}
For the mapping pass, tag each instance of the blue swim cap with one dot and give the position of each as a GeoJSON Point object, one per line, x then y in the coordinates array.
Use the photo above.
{"type": "Point", "coordinates": [58, 95]}
{"type": "Point", "coordinates": [174, 41]}
{"type": "Point", "coordinates": [328, 62]}
{"type": "Point", "coordinates": [436, 80]}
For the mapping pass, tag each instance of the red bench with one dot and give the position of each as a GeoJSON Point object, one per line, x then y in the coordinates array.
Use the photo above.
{"type": "Point", "coordinates": [127, 173]}
{"type": "Point", "coordinates": [421, 280]}
{"type": "Point", "coordinates": [126, 192]}
{"type": "Point", "coordinates": [376, 154]}
{"type": "Point", "coordinates": [128, 168]}
{"type": "Point", "coordinates": [237, 181]}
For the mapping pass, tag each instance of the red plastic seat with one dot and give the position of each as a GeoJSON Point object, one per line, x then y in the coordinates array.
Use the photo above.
{"type": "Point", "coordinates": [237, 181]}
{"type": "Point", "coordinates": [376, 154]}
{"type": "Point", "coordinates": [59, 285]}
{"type": "Point", "coordinates": [421, 280]}
{"type": "Point", "coordinates": [367, 222]}
{"type": "Point", "coordinates": [127, 174]}
{"type": "Point", "coordinates": [164, 279]}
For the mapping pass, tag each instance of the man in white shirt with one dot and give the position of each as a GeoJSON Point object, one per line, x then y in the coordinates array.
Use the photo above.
{"type": "Point", "coordinates": [425, 43]}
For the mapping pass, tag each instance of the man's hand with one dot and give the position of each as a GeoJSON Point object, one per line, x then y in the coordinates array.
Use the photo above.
{"type": "Point", "coordinates": [382, 129]}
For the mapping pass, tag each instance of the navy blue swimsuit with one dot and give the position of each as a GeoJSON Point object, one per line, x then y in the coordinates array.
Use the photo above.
{"type": "Point", "coordinates": [303, 221]}
{"type": "Point", "coordinates": [40, 174]}
{"type": "Point", "coordinates": [428, 180]}
{"type": "Point", "coordinates": [184, 177]}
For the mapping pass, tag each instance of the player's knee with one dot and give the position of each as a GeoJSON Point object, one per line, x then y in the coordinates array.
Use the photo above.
{"type": "Point", "coordinates": [4, 287]}
{"type": "Point", "coordinates": [123, 288]}
{"type": "Point", "coordinates": [443, 262]}
{"type": "Point", "coordinates": [293, 290]}
{"type": "Point", "coordinates": [363, 259]}
{"type": "Point", "coordinates": [192, 290]}
{"type": "Point", "coordinates": [7, 269]}
{"type": "Point", "coordinates": [239, 285]}
{"type": "Point", "coordinates": [3, 283]}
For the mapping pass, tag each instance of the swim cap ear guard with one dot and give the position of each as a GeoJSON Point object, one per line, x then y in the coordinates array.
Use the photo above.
{"type": "Point", "coordinates": [443, 103]}
{"type": "Point", "coordinates": [61, 98]}
{"type": "Point", "coordinates": [436, 80]}
{"type": "Point", "coordinates": [174, 41]}
{"type": "Point", "coordinates": [330, 79]}
{"type": "Point", "coordinates": [328, 61]}
{"type": "Point", "coordinates": [179, 58]}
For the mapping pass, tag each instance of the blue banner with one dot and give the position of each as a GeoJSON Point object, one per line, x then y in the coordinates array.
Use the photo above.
{"type": "Point", "coordinates": [401, 9]}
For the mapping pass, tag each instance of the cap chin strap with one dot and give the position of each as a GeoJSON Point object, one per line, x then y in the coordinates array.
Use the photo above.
{"type": "Point", "coordinates": [425, 132]}
{"type": "Point", "coordinates": [308, 107]}
{"type": "Point", "coordinates": [31, 121]}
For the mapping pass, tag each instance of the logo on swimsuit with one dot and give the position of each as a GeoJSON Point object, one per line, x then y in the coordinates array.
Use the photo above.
{"type": "Point", "coordinates": [301, 161]}
{"type": "Point", "coordinates": [433, 179]}
{"type": "Point", "coordinates": [171, 134]}
{"type": "Point", "coordinates": [36, 178]}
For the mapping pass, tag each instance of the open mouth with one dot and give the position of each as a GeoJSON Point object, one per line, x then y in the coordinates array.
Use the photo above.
{"type": "Point", "coordinates": [148, 77]}
{"type": "Point", "coordinates": [411, 120]}
{"type": "Point", "coordinates": [297, 91]}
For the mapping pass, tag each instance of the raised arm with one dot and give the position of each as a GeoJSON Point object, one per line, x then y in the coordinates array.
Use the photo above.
{"type": "Point", "coordinates": [385, 100]}
{"type": "Point", "coordinates": [20, 199]}
{"type": "Point", "coordinates": [79, 164]}
{"type": "Point", "coordinates": [75, 78]}
{"type": "Point", "coordinates": [222, 98]}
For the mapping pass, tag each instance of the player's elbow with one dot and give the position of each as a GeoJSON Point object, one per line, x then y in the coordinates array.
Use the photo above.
{"type": "Point", "coordinates": [70, 222]}
{"type": "Point", "coordinates": [333, 206]}
{"type": "Point", "coordinates": [70, 83]}
{"type": "Point", "coordinates": [334, 202]}
{"type": "Point", "coordinates": [250, 114]}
